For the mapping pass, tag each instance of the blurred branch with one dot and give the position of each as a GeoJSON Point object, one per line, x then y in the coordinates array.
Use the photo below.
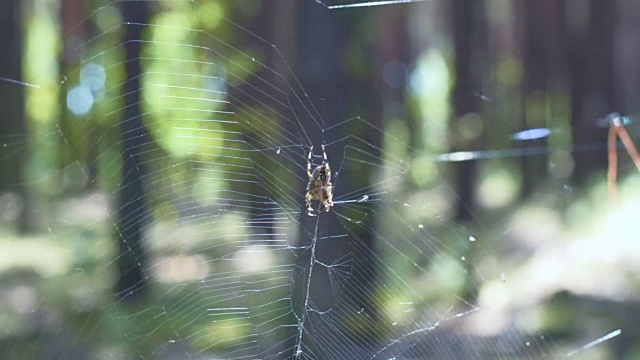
{"type": "Point", "coordinates": [617, 130]}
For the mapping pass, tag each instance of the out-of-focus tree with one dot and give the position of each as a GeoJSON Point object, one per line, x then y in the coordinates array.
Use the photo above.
{"type": "Point", "coordinates": [471, 51]}
{"type": "Point", "coordinates": [317, 64]}
{"type": "Point", "coordinates": [540, 38]}
{"type": "Point", "coordinates": [590, 30]}
{"type": "Point", "coordinates": [341, 75]}
{"type": "Point", "coordinates": [132, 212]}
{"type": "Point", "coordinates": [13, 129]}
{"type": "Point", "coordinates": [469, 38]}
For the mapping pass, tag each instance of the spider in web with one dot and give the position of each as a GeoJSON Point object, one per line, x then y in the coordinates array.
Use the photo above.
{"type": "Point", "coordinates": [319, 187]}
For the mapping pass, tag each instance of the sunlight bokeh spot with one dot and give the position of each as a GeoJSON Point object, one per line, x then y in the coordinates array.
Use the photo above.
{"type": "Point", "coordinates": [80, 100]}
{"type": "Point", "coordinates": [531, 134]}
{"type": "Point", "coordinates": [93, 76]}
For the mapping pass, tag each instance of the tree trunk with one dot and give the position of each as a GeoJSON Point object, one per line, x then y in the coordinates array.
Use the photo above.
{"type": "Point", "coordinates": [470, 41]}
{"type": "Point", "coordinates": [467, 20]}
{"type": "Point", "coordinates": [326, 78]}
{"type": "Point", "coordinates": [13, 132]}
{"type": "Point", "coordinates": [592, 88]}
{"type": "Point", "coordinates": [132, 214]}
{"type": "Point", "coordinates": [538, 34]}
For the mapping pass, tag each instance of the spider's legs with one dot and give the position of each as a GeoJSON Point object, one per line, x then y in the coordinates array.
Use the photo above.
{"type": "Point", "coordinates": [308, 199]}
{"type": "Point", "coordinates": [328, 187]}
{"type": "Point", "coordinates": [309, 163]}
{"type": "Point", "coordinates": [328, 197]}
{"type": "Point", "coordinates": [324, 155]}
{"type": "Point", "coordinates": [310, 186]}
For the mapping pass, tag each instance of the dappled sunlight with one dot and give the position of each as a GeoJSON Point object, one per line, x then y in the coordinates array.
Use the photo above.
{"type": "Point", "coordinates": [499, 186]}
{"type": "Point", "coordinates": [598, 265]}
{"type": "Point", "coordinates": [495, 310]}
{"type": "Point", "coordinates": [595, 258]}
{"type": "Point", "coordinates": [254, 259]}
{"type": "Point", "coordinates": [93, 209]}
{"type": "Point", "coordinates": [10, 206]}
{"type": "Point", "coordinates": [23, 299]}
{"type": "Point", "coordinates": [42, 254]}
{"type": "Point", "coordinates": [180, 268]}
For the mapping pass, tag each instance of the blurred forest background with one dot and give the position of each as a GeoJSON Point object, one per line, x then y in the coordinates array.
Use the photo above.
{"type": "Point", "coordinates": [499, 112]}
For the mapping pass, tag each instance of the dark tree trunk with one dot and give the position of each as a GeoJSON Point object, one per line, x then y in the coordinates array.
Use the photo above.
{"type": "Point", "coordinates": [471, 52]}
{"type": "Point", "coordinates": [319, 70]}
{"type": "Point", "coordinates": [469, 38]}
{"type": "Point", "coordinates": [13, 143]}
{"type": "Point", "coordinates": [538, 36]}
{"type": "Point", "coordinates": [626, 55]}
{"type": "Point", "coordinates": [592, 87]}
{"type": "Point", "coordinates": [325, 77]}
{"type": "Point", "coordinates": [132, 214]}
{"type": "Point", "coordinates": [12, 127]}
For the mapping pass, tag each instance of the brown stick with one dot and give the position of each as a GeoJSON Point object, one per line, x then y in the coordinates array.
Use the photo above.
{"type": "Point", "coordinates": [612, 171]}
{"type": "Point", "coordinates": [628, 145]}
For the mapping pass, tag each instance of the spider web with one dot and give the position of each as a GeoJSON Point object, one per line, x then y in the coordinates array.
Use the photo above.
{"type": "Point", "coordinates": [233, 266]}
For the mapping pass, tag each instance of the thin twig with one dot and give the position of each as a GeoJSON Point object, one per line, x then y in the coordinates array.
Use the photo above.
{"type": "Point", "coordinates": [613, 163]}
{"type": "Point", "coordinates": [628, 144]}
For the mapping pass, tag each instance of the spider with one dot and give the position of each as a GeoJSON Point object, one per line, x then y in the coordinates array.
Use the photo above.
{"type": "Point", "coordinates": [319, 186]}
